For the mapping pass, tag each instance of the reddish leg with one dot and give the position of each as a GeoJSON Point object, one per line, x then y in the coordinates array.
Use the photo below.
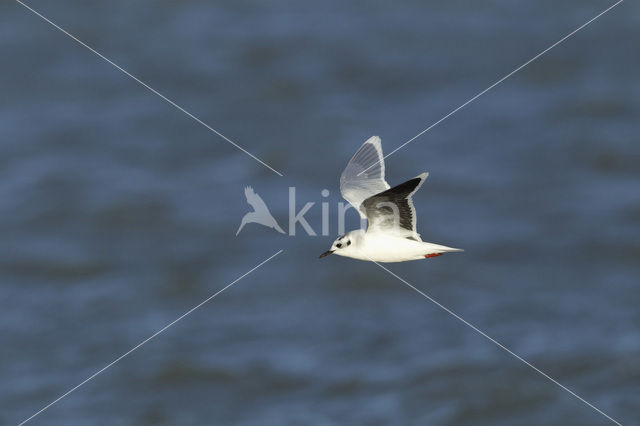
{"type": "Point", "coordinates": [433, 255]}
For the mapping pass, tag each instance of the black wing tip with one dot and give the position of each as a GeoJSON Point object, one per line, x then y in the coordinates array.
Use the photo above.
{"type": "Point", "coordinates": [409, 187]}
{"type": "Point", "coordinates": [416, 182]}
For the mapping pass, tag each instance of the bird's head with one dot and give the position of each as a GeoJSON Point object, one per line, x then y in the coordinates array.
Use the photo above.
{"type": "Point", "coordinates": [343, 245]}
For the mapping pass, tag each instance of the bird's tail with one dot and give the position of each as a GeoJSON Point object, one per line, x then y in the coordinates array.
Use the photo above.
{"type": "Point", "coordinates": [437, 248]}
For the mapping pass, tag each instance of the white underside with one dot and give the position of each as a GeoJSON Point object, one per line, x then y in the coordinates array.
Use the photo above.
{"type": "Point", "coordinates": [389, 248]}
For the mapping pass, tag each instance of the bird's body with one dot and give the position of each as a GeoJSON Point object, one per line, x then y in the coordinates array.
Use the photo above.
{"type": "Point", "coordinates": [391, 234]}
{"type": "Point", "coordinates": [380, 247]}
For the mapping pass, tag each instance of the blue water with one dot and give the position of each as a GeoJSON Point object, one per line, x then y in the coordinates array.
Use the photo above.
{"type": "Point", "coordinates": [118, 213]}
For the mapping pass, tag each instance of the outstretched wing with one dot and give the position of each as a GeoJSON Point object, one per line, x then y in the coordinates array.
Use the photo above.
{"type": "Point", "coordinates": [392, 211]}
{"type": "Point", "coordinates": [364, 175]}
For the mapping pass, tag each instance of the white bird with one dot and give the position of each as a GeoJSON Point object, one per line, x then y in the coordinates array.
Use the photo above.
{"type": "Point", "coordinates": [391, 233]}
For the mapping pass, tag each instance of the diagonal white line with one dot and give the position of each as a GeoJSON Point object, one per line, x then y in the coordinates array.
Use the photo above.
{"type": "Point", "coordinates": [149, 338]}
{"type": "Point", "coordinates": [148, 87]}
{"type": "Point", "coordinates": [500, 345]}
{"type": "Point", "coordinates": [497, 82]}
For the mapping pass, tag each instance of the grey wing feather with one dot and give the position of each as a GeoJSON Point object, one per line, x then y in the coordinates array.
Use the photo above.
{"type": "Point", "coordinates": [364, 175]}
{"type": "Point", "coordinates": [392, 211]}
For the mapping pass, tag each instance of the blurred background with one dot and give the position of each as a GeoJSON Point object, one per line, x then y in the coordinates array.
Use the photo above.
{"type": "Point", "coordinates": [118, 212]}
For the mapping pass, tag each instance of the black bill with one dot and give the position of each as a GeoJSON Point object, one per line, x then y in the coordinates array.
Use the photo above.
{"type": "Point", "coordinates": [326, 253]}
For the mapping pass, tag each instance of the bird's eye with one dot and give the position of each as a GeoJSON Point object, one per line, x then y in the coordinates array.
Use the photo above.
{"type": "Point", "coordinates": [339, 245]}
{"type": "Point", "coordinates": [348, 243]}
